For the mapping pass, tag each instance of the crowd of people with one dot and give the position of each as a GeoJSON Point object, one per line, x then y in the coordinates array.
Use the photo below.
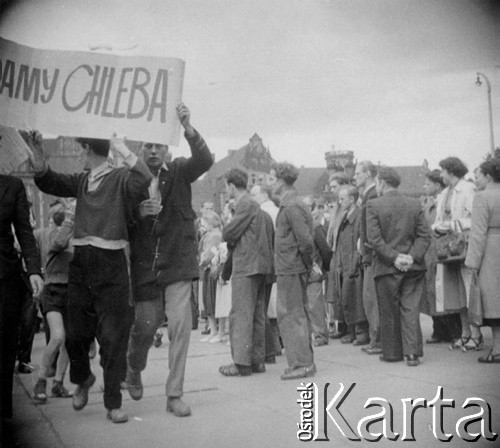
{"type": "Point", "coordinates": [274, 273]}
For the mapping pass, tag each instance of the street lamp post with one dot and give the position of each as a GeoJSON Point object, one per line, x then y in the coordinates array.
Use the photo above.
{"type": "Point", "coordinates": [490, 111]}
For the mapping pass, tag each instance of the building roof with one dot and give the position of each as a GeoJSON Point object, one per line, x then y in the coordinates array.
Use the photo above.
{"type": "Point", "coordinates": [254, 156]}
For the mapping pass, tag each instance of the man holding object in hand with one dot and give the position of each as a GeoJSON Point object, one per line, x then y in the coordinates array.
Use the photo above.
{"type": "Point", "coordinates": [98, 281]}
{"type": "Point", "coordinates": [163, 256]}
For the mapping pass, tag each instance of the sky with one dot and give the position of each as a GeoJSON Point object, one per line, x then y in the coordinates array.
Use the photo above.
{"type": "Point", "coordinates": [391, 80]}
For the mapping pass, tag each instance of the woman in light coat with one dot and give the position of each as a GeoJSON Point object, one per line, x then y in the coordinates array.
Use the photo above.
{"type": "Point", "coordinates": [483, 254]}
{"type": "Point", "coordinates": [454, 211]}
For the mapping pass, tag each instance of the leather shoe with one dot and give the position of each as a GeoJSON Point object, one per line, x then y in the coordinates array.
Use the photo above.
{"type": "Point", "coordinates": [259, 367]}
{"type": "Point", "coordinates": [433, 341]}
{"type": "Point", "coordinates": [381, 357]}
{"type": "Point", "coordinates": [117, 416]}
{"type": "Point", "coordinates": [299, 372]}
{"type": "Point", "coordinates": [81, 393]}
{"type": "Point", "coordinates": [372, 350]}
{"type": "Point", "coordinates": [412, 360]}
{"type": "Point", "coordinates": [359, 342]}
{"type": "Point", "coordinates": [178, 407]}
{"type": "Point", "coordinates": [134, 384]}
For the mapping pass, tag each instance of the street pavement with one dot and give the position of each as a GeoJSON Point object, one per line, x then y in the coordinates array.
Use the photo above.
{"type": "Point", "coordinates": [262, 411]}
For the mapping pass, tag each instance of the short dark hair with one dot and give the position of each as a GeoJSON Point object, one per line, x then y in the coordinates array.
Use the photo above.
{"type": "Point", "coordinates": [454, 166]}
{"type": "Point", "coordinates": [238, 178]}
{"type": "Point", "coordinates": [491, 167]}
{"type": "Point", "coordinates": [286, 172]}
{"type": "Point", "coordinates": [58, 217]}
{"type": "Point", "coordinates": [435, 177]}
{"type": "Point", "coordinates": [97, 145]}
{"type": "Point", "coordinates": [389, 175]}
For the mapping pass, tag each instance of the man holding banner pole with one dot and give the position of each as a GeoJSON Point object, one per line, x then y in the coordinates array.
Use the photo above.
{"type": "Point", "coordinates": [98, 284]}
{"type": "Point", "coordinates": [164, 261]}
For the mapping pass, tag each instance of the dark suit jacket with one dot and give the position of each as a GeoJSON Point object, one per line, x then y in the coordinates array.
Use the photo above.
{"type": "Point", "coordinates": [366, 250]}
{"type": "Point", "coordinates": [249, 235]}
{"type": "Point", "coordinates": [14, 211]}
{"type": "Point", "coordinates": [396, 224]}
{"type": "Point", "coordinates": [173, 235]}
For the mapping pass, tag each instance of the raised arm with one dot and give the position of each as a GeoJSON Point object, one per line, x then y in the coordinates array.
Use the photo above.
{"type": "Point", "coordinates": [201, 159]}
{"type": "Point", "coordinates": [48, 181]}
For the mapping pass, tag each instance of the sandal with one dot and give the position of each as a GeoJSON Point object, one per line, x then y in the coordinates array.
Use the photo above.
{"type": "Point", "coordinates": [474, 343]}
{"type": "Point", "coordinates": [234, 370]}
{"type": "Point", "coordinates": [459, 344]}
{"type": "Point", "coordinates": [490, 358]}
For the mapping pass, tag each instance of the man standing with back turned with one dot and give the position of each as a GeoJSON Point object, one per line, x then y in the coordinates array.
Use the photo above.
{"type": "Point", "coordinates": [399, 235]}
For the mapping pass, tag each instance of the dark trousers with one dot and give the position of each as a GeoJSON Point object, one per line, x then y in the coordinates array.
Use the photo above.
{"type": "Point", "coordinates": [247, 319]}
{"type": "Point", "coordinates": [370, 304]}
{"type": "Point", "coordinates": [447, 327]}
{"type": "Point", "coordinates": [272, 342]}
{"type": "Point", "coordinates": [28, 328]}
{"type": "Point", "coordinates": [98, 306]}
{"type": "Point", "coordinates": [11, 291]}
{"type": "Point", "coordinates": [293, 319]}
{"type": "Point", "coordinates": [399, 297]}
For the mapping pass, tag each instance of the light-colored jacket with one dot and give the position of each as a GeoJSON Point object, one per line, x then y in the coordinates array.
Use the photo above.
{"type": "Point", "coordinates": [484, 247]}
{"type": "Point", "coordinates": [460, 204]}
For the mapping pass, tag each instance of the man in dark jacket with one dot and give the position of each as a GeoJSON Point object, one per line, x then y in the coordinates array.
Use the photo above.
{"type": "Point", "coordinates": [98, 278]}
{"type": "Point", "coordinates": [293, 260]}
{"type": "Point", "coordinates": [14, 215]}
{"type": "Point", "coordinates": [348, 275]}
{"type": "Point", "coordinates": [322, 256]}
{"type": "Point", "coordinates": [249, 237]}
{"type": "Point", "coordinates": [164, 262]}
{"type": "Point", "coordinates": [399, 235]}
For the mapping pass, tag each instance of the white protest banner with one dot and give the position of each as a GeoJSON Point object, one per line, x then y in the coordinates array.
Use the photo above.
{"type": "Point", "coordinates": [83, 94]}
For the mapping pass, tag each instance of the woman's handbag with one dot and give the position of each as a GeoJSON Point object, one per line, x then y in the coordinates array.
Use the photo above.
{"type": "Point", "coordinates": [475, 308]}
{"type": "Point", "coordinates": [452, 246]}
